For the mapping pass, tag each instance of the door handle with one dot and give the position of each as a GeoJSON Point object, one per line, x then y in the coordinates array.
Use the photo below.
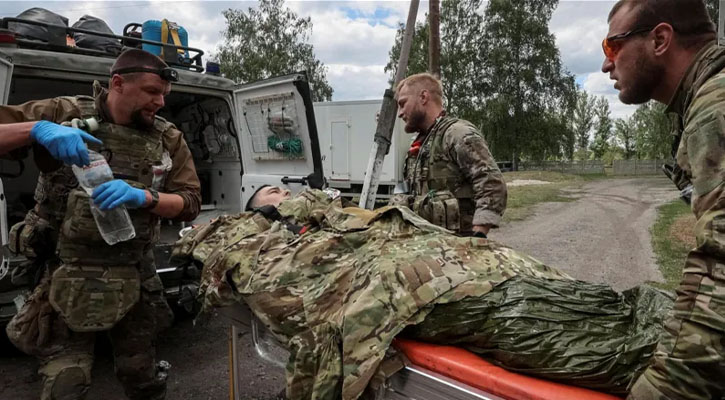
{"type": "Point", "coordinates": [287, 180]}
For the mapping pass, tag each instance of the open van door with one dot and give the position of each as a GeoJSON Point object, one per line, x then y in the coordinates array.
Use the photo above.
{"type": "Point", "coordinates": [6, 72]}
{"type": "Point", "coordinates": [278, 135]}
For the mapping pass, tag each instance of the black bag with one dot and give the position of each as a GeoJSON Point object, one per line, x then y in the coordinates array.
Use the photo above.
{"type": "Point", "coordinates": [94, 42]}
{"type": "Point", "coordinates": [38, 32]}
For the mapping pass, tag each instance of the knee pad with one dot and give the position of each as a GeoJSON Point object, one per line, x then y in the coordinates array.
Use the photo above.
{"type": "Point", "coordinates": [71, 383]}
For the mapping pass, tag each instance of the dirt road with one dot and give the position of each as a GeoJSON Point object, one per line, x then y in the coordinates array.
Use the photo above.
{"type": "Point", "coordinates": [603, 236]}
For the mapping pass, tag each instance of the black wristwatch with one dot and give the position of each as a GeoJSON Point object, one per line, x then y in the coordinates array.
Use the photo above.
{"type": "Point", "coordinates": [154, 199]}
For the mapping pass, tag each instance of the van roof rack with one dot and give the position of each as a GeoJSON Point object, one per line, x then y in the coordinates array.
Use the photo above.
{"type": "Point", "coordinates": [57, 42]}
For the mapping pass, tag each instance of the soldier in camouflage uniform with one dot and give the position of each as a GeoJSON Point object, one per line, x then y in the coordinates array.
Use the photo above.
{"type": "Point", "coordinates": [89, 286]}
{"type": "Point", "coordinates": [338, 290]}
{"type": "Point", "coordinates": [665, 50]}
{"type": "Point", "coordinates": [454, 181]}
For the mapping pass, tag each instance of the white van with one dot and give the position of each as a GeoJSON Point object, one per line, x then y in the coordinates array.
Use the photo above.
{"type": "Point", "coordinates": [226, 126]}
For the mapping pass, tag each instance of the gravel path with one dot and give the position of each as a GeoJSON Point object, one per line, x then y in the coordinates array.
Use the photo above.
{"type": "Point", "coordinates": [603, 236]}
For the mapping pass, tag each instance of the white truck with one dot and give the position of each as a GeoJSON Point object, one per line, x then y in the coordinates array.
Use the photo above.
{"type": "Point", "coordinates": [226, 127]}
{"type": "Point", "coordinates": [345, 130]}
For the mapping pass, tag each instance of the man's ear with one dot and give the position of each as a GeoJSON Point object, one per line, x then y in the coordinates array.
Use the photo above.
{"type": "Point", "coordinates": [424, 97]}
{"type": "Point", "coordinates": [664, 36]}
{"type": "Point", "coordinates": [116, 83]}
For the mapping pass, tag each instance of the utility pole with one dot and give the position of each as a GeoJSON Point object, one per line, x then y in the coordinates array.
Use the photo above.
{"type": "Point", "coordinates": [386, 121]}
{"type": "Point", "coordinates": [434, 40]}
{"type": "Point", "coordinates": [721, 24]}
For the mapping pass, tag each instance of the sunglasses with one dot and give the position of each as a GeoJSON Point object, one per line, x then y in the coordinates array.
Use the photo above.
{"type": "Point", "coordinates": [613, 44]}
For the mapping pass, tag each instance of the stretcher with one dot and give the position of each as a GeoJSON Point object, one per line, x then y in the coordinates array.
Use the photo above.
{"type": "Point", "coordinates": [437, 372]}
{"type": "Point", "coordinates": [433, 372]}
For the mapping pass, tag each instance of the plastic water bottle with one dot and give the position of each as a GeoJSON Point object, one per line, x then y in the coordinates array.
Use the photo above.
{"type": "Point", "coordinates": [114, 224]}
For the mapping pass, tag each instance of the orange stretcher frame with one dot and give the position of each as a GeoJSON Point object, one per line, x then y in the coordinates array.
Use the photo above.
{"type": "Point", "coordinates": [469, 368]}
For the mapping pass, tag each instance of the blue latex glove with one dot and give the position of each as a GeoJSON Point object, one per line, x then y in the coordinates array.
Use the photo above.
{"type": "Point", "coordinates": [63, 142]}
{"type": "Point", "coordinates": [114, 193]}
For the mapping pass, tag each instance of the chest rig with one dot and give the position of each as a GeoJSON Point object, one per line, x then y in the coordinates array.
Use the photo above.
{"type": "Point", "coordinates": [433, 168]}
{"type": "Point", "coordinates": [97, 284]}
{"type": "Point", "coordinates": [131, 154]}
{"type": "Point", "coordinates": [440, 192]}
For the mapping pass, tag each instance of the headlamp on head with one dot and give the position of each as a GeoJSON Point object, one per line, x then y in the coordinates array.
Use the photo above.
{"type": "Point", "coordinates": [167, 74]}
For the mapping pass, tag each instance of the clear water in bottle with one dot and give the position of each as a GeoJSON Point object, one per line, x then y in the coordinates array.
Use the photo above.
{"type": "Point", "coordinates": [115, 224]}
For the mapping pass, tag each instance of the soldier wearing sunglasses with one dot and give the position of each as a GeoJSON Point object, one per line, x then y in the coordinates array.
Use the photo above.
{"type": "Point", "coordinates": [666, 50]}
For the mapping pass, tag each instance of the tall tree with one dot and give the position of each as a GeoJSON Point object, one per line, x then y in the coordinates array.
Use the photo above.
{"type": "Point", "coordinates": [625, 134]}
{"type": "Point", "coordinates": [270, 41]}
{"type": "Point", "coordinates": [583, 122]}
{"type": "Point", "coordinates": [527, 84]}
{"type": "Point", "coordinates": [602, 129]}
{"type": "Point", "coordinates": [652, 131]}
{"type": "Point", "coordinates": [434, 39]}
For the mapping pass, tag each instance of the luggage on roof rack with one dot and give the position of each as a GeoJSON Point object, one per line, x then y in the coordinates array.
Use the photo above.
{"type": "Point", "coordinates": [43, 32]}
{"type": "Point", "coordinates": [57, 42]}
{"type": "Point", "coordinates": [96, 42]}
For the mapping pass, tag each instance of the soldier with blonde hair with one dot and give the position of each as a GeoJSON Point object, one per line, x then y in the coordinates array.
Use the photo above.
{"type": "Point", "coordinates": [453, 180]}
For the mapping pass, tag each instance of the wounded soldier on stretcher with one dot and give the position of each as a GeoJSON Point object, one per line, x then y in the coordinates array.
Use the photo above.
{"type": "Point", "coordinates": [336, 284]}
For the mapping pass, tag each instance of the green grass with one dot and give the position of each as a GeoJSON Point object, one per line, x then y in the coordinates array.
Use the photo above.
{"type": "Point", "coordinates": [670, 251]}
{"type": "Point", "coordinates": [521, 199]}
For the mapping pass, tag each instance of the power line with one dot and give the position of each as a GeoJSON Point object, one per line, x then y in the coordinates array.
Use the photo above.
{"type": "Point", "coordinates": [88, 9]}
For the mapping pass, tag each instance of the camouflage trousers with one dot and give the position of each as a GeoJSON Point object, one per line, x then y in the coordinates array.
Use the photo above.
{"type": "Point", "coordinates": [66, 357]}
{"type": "Point", "coordinates": [690, 359]}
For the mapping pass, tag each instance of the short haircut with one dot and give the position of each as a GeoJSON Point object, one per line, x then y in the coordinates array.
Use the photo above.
{"type": "Point", "coordinates": [689, 18]}
{"type": "Point", "coordinates": [424, 81]}
{"type": "Point", "coordinates": [252, 202]}
{"type": "Point", "coordinates": [137, 58]}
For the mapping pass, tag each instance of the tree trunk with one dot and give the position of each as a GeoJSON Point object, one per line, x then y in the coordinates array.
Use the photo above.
{"type": "Point", "coordinates": [434, 45]}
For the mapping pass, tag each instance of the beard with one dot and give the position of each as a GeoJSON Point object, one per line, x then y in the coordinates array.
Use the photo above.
{"type": "Point", "coordinates": [138, 119]}
{"type": "Point", "coordinates": [646, 78]}
{"type": "Point", "coordinates": [415, 121]}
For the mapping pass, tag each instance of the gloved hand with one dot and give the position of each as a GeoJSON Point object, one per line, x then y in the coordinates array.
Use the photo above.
{"type": "Point", "coordinates": [63, 142]}
{"type": "Point", "coordinates": [114, 193]}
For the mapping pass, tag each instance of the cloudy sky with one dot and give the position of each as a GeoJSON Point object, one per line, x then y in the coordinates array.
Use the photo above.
{"type": "Point", "coordinates": [352, 38]}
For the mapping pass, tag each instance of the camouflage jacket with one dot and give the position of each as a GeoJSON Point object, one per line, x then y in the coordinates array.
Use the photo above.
{"type": "Point", "coordinates": [699, 120]}
{"type": "Point", "coordinates": [454, 156]}
{"type": "Point", "coordinates": [339, 293]}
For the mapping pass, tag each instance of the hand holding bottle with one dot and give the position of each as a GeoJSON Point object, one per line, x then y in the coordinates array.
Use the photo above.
{"type": "Point", "coordinates": [114, 193]}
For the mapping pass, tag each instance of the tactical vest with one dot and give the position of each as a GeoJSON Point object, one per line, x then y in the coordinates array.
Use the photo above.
{"type": "Point", "coordinates": [442, 195]}
{"type": "Point", "coordinates": [131, 154]}
{"type": "Point", "coordinates": [97, 284]}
